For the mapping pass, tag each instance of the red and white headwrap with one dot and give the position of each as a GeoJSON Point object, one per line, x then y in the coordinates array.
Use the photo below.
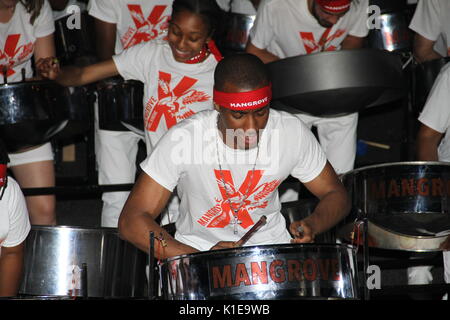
{"type": "Point", "coordinates": [334, 6]}
{"type": "Point", "coordinates": [250, 100]}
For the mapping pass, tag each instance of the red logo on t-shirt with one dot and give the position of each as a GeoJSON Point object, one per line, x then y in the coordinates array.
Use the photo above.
{"type": "Point", "coordinates": [13, 55]}
{"type": "Point", "coordinates": [312, 45]}
{"type": "Point", "coordinates": [249, 196]}
{"type": "Point", "coordinates": [146, 29]}
{"type": "Point", "coordinates": [172, 104]}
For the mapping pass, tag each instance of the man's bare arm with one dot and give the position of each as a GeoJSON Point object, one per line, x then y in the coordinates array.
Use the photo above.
{"type": "Point", "coordinates": [423, 49]}
{"type": "Point", "coordinates": [145, 203]}
{"type": "Point", "coordinates": [334, 202]}
{"type": "Point", "coordinates": [427, 143]}
{"type": "Point", "coordinates": [263, 54]}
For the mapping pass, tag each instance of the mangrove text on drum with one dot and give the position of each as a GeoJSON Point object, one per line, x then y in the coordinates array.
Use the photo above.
{"type": "Point", "coordinates": [279, 271]}
{"type": "Point", "coordinates": [395, 188]}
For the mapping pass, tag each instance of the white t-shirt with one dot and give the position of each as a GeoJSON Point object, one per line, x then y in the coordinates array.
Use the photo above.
{"type": "Point", "coordinates": [173, 91]}
{"type": "Point", "coordinates": [436, 112]}
{"type": "Point", "coordinates": [17, 38]}
{"type": "Point", "coordinates": [187, 157]}
{"type": "Point", "coordinates": [14, 220]}
{"type": "Point", "coordinates": [237, 6]}
{"type": "Point", "coordinates": [286, 28]}
{"type": "Point", "coordinates": [136, 20]}
{"type": "Point", "coordinates": [432, 21]}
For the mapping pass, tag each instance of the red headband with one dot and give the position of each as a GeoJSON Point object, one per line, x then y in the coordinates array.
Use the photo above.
{"type": "Point", "coordinates": [2, 175]}
{"type": "Point", "coordinates": [335, 6]}
{"type": "Point", "coordinates": [249, 100]}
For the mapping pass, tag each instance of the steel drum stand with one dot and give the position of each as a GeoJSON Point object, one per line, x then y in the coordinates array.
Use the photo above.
{"type": "Point", "coordinates": [366, 293]}
{"type": "Point", "coordinates": [151, 268]}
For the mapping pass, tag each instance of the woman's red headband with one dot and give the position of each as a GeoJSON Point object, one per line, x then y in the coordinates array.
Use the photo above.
{"type": "Point", "coordinates": [335, 6]}
{"type": "Point", "coordinates": [239, 101]}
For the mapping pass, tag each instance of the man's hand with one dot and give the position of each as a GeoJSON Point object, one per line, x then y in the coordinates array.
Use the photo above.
{"type": "Point", "coordinates": [48, 68]}
{"type": "Point", "coordinates": [225, 245]}
{"type": "Point", "coordinates": [302, 232]}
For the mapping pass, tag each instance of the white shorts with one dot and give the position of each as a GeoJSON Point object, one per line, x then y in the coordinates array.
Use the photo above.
{"type": "Point", "coordinates": [42, 153]}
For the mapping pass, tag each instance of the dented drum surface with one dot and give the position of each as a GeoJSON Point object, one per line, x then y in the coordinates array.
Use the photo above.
{"type": "Point", "coordinates": [291, 271]}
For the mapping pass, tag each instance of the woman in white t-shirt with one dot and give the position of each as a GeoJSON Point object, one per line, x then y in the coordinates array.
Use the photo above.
{"type": "Point", "coordinates": [14, 228]}
{"type": "Point", "coordinates": [26, 31]}
{"type": "Point", "coordinates": [119, 25]}
{"type": "Point", "coordinates": [177, 73]}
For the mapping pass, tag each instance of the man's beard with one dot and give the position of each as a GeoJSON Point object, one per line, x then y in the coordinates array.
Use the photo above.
{"type": "Point", "coordinates": [322, 22]}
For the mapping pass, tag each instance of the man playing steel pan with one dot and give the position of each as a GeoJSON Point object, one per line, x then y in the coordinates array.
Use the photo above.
{"type": "Point", "coordinates": [227, 165]}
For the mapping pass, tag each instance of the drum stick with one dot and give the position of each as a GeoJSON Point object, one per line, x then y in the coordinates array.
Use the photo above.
{"type": "Point", "coordinates": [251, 232]}
{"type": "Point", "coordinates": [376, 144]}
{"type": "Point", "coordinates": [5, 74]}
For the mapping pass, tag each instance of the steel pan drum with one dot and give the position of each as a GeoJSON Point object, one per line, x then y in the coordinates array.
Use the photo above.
{"type": "Point", "coordinates": [237, 31]}
{"type": "Point", "coordinates": [79, 104]}
{"type": "Point", "coordinates": [54, 257]}
{"type": "Point", "coordinates": [120, 101]}
{"type": "Point", "coordinates": [424, 76]}
{"type": "Point", "coordinates": [339, 82]}
{"type": "Point", "coordinates": [31, 112]}
{"type": "Point", "coordinates": [407, 203]}
{"type": "Point", "coordinates": [294, 271]}
{"type": "Point", "coordinates": [72, 44]}
{"type": "Point", "coordinates": [394, 33]}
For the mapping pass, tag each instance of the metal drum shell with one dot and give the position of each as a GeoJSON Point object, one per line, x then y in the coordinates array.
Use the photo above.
{"type": "Point", "coordinates": [291, 271]}
{"type": "Point", "coordinates": [237, 30]}
{"type": "Point", "coordinates": [31, 112]}
{"type": "Point", "coordinates": [394, 33]}
{"type": "Point", "coordinates": [79, 105]}
{"type": "Point", "coordinates": [115, 268]}
{"type": "Point", "coordinates": [336, 83]}
{"type": "Point", "coordinates": [407, 203]}
{"type": "Point", "coordinates": [120, 101]}
{"type": "Point", "coordinates": [76, 43]}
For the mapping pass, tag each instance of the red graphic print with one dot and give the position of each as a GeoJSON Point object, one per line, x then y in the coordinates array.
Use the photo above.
{"type": "Point", "coordinates": [249, 196]}
{"type": "Point", "coordinates": [13, 55]}
{"type": "Point", "coordinates": [146, 29]}
{"type": "Point", "coordinates": [172, 104]}
{"type": "Point", "coordinates": [312, 45]}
